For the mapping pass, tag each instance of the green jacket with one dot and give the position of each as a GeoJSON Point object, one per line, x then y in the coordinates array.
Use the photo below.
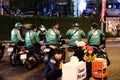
{"type": "Point", "coordinates": [95, 38]}
{"type": "Point", "coordinates": [52, 36]}
{"type": "Point", "coordinates": [77, 36]}
{"type": "Point", "coordinates": [15, 35]}
{"type": "Point", "coordinates": [31, 38]}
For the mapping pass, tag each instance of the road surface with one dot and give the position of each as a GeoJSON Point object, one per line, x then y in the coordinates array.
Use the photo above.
{"type": "Point", "coordinates": [8, 72]}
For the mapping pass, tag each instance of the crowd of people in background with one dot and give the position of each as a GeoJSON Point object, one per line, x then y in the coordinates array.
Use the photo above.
{"type": "Point", "coordinates": [83, 50]}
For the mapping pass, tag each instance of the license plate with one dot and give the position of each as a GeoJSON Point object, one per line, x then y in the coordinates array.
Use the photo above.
{"type": "Point", "coordinates": [46, 50]}
{"type": "Point", "coordinates": [10, 49]}
{"type": "Point", "coordinates": [23, 56]}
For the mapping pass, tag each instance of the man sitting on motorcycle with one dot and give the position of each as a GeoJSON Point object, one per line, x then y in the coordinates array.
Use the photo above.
{"type": "Point", "coordinates": [32, 39]}
{"type": "Point", "coordinates": [15, 34]}
{"type": "Point", "coordinates": [53, 34]}
{"type": "Point", "coordinates": [52, 37]}
{"type": "Point", "coordinates": [74, 34]}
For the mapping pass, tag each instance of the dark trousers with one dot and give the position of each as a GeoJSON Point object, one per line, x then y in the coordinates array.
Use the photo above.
{"type": "Point", "coordinates": [20, 43]}
{"type": "Point", "coordinates": [54, 74]}
{"type": "Point", "coordinates": [89, 70]}
{"type": "Point", "coordinates": [35, 47]}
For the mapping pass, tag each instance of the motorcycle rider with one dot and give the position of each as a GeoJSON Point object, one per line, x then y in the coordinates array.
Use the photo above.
{"type": "Point", "coordinates": [95, 36]}
{"type": "Point", "coordinates": [53, 34]}
{"type": "Point", "coordinates": [15, 34]}
{"type": "Point", "coordinates": [52, 37]}
{"type": "Point", "coordinates": [42, 32]}
{"type": "Point", "coordinates": [75, 34]}
{"type": "Point", "coordinates": [32, 39]}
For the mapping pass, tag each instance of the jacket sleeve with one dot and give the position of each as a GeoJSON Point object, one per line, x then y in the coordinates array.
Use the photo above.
{"type": "Point", "coordinates": [88, 36]}
{"type": "Point", "coordinates": [83, 34]}
{"type": "Point", "coordinates": [19, 36]}
{"type": "Point", "coordinates": [102, 33]}
{"type": "Point", "coordinates": [47, 33]}
{"type": "Point", "coordinates": [58, 32]}
{"type": "Point", "coordinates": [68, 33]}
{"type": "Point", "coordinates": [52, 64]}
{"type": "Point", "coordinates": [36, 38]}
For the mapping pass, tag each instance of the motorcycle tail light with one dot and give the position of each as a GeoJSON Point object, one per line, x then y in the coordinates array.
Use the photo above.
{"type": "Point", "coordinates": [23, 49]}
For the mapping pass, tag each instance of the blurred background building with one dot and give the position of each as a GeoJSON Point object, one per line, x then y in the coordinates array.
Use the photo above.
{"type": "Point", "coordinates": [74, 8]}
{"type": "Point", "coordinates": [3, 4]}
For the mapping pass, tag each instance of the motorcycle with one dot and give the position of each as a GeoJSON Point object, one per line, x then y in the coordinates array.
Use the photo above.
{"type": "Point", "coordinates": [29, 57]}
{"type": "Point", "coordinates": [2, 47]}
{"type": "Point", "coordinates": [48, 51]}
{"type": "Point", "coordinates": [13, 51]}
{"type": "Point", "coordinates": [10, 48]}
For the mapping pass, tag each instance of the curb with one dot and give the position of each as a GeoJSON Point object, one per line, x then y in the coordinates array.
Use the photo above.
{"type": "Point", "coordinates": [113, 40]}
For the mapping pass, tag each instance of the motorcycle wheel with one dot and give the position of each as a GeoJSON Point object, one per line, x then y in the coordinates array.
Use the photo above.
{"type": "Point", "coordinates": [41, 57]}
{"type": "Point", "coordinates": [1, 53]}
{"type": "Point", "coordinates": [30, 62]}
{"type": "Point", "coordinates": [14, 59]}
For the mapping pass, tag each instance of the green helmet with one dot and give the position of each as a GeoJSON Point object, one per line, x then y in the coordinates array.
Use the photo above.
{"type": "Point", "coordinates": [18, 24]}
{"type": "Point", "coordinates": [42, 27]}
{"type": "Point", "coordinates": [76, 25]}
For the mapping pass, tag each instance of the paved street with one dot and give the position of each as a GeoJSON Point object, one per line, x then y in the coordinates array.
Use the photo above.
{"type": "Point", "coordinates": [7, 72]}
{"type": "Point", "coordinates": [113, 50]}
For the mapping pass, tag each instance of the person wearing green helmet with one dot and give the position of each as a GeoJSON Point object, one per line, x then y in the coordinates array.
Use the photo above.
{"type": "Point", "coordinates": [15, 34]}
{"type": "Point", "coordinates": [75, 34]}
{"type": "Point", "coordinates": [42, 32]}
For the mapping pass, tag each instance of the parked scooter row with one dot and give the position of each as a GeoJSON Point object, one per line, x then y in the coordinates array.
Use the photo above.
{"type": "Point", "coordinates": [22, 55]}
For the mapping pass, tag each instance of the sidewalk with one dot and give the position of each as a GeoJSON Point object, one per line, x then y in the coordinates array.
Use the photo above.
{"type": "Point", "coordinates": [113, 39]}
{"type": "Point", "coordinates": [107, 39]}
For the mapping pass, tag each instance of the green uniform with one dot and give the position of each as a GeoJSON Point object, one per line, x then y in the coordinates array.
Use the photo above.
{"type": "Point", "coordinates": [31, 38]}
{"type": "Point", "coordinates": [52, 36]}
{"type": "Point", "coordinates": [42, 31]}
{"type": "Point", "coordinates": [94, 37]}
{"type": "Point", "coordinates": [75, 36]}
{"type": "Point", "coordinates": [15, 35]}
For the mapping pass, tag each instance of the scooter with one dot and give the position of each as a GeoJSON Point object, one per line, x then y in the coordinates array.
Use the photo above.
{"type": "Point", "coordinates": [48, 51]}
{"type": "Point", "coordinates": [2, 47]}
{"type": "Point", "coordinates": [10, 47]}
{"type": "Point", "coordinates": [27, 58]}
{"type": "Point", "coordinates": [13, 51]}
{"type": "Point", "coordinates": [30, 58]}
